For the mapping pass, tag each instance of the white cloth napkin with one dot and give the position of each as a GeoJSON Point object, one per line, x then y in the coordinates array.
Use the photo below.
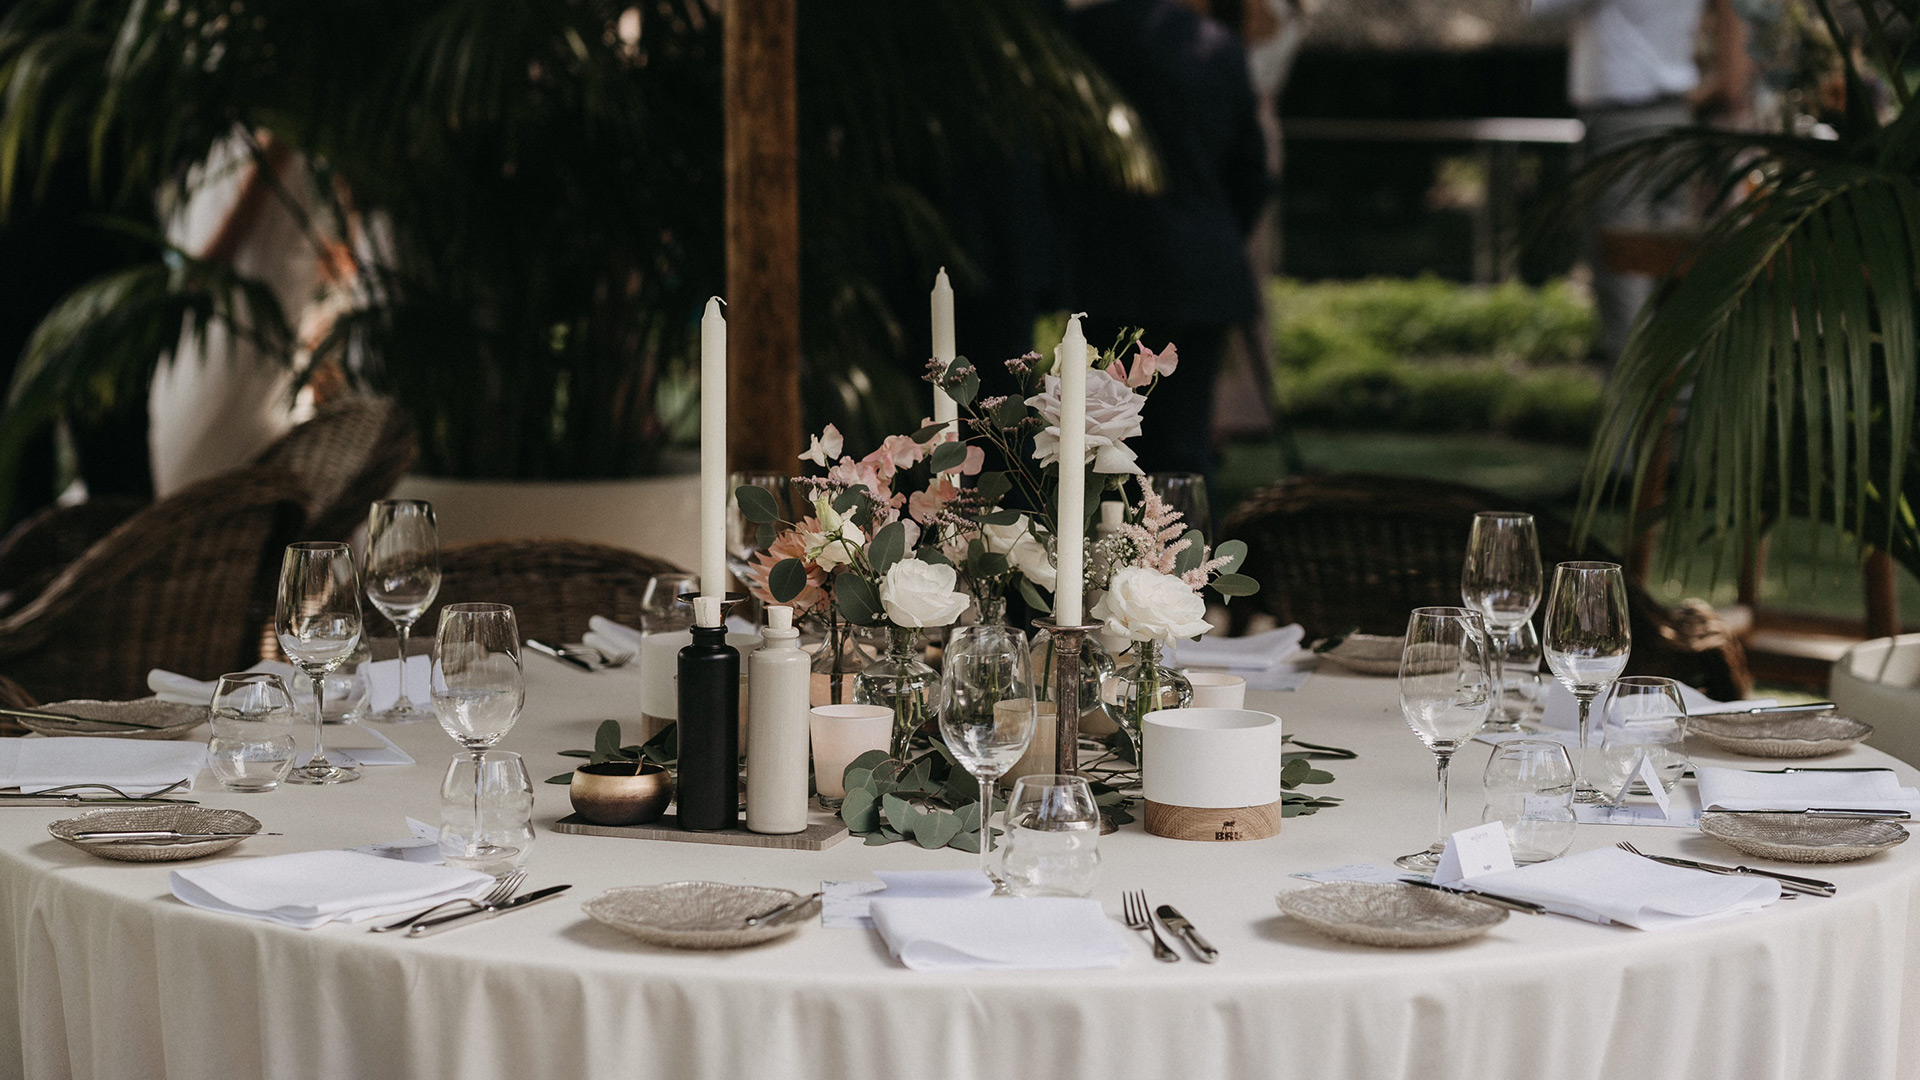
{"type": "Point", "coordinates": [1738, 789]}
{"type": "Point", "coordinates": [1043, 933]}
{"type": "Point", "coordinates": [311, 888]}
{"type": "Point", "coordinates": [181, 690]}
{"type": "Point", "coordinates": [1255, 652]}
{"type": "Point", "coordinates": [1562, 711]}
{"type": "Point", "coordinates": [612, 637]}
{"type": "Point", "coordinates": [134, 766]}
{"type": "Point", "coordinates": [1609, 885]}
{"type": "Point", "coordinates": [383, 685]}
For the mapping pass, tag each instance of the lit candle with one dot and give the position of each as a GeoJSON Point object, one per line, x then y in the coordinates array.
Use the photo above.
{"type": "Point", "coordinates": [1070, 361]}
{"type": "Point", "coordinates": [713, 455]}
{"type": "Point", "coordinates": [944, 408]}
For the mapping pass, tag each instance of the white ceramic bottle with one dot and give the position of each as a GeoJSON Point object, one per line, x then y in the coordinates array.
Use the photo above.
{"type": "Point", "coordinates": [777, 675]}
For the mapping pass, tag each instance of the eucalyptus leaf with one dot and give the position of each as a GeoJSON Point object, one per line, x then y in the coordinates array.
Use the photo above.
{"type": "Point", "coordinates": [993, 486]}
{"type": "Point", "coordinates": [889, 545]}
{"type": "Point", "coordinates": [933, 556]}
{"type": "Point", "coordinates": [756, 504]}
{"type": "Point", "coordinates": [768, 533]}
{"type": "Point", "coordinates": [606, 739]}
{"type": "Point", "coordinates": [860, 811]}
{"type": "Point", "coordinates": [856, 598]}
{"type": "Point", "coordinates": [936, 830]}
{"type": "Point", "coordinates": [1193, 554]}
{"type": "Point", "coordinates": [876, 839]}
{"type": "Point", "coordinates": [1235, 585]}
{"type": "Point", "coordinates": [1234, 551]}
{"type": "Point", "coordinates": [927, 433]}
{"type": "Point", "coordinates": [999, 517]}
{"type": "Point", "coordinates": [576, 753]}
{"type": "Point", "coordinates": [870, 761]}
{"type": "Point", "coordinates": [787, 580]}
{"type": "Point", "coordinates": [986, 565]}
{"type": "Point", "coordinates": [964, 389]}
{"type": "Point", "coordinates": [1036, 603]}
{"type": "Point", "coordinates": [563, 778]}
{"type": "Point", "coordinates": [1010, 413]}
{"type": "Point", "coordinates": [947, 456]}
{"type": "Point", "coordinates": [899, 812]}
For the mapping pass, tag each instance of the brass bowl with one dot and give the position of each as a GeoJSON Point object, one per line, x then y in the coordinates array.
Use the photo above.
{"type": "Point", "coordinates": [620, 792]}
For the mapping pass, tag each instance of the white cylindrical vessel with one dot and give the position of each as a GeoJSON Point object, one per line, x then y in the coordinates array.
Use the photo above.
{"type": "Point", "coordinates": [1212, 774]}
{"type": "Point", "coordinates": [777, 734]}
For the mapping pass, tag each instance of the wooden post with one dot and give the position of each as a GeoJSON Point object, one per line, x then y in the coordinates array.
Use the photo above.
{"type": "Point", "coordinates": [1883, 597]}
{"type": "Point", "coordinates": [763, 236]}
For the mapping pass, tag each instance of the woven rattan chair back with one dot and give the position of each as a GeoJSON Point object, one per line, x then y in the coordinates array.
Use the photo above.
{"type": "Point", "coordinates": [353, 451]}
{"type": "Point", "coordinates": [555, 586]}
{"type": "Point", "coordinates": [1358, 552]}
{"type": "Point", "coordinates": [184, 584]}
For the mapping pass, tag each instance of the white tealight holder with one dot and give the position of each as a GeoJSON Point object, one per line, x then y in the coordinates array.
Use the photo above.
{"type": "Point", "coordinates": [1217, 690]}
{"type": "Point", "coordinates": [840, 734]}
{"type": "Point", "coordinates": [1212, 774]}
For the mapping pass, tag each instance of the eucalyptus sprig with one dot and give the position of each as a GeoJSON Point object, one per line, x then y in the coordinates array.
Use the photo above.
{"type": "Point", "coordinates": [930, 800]}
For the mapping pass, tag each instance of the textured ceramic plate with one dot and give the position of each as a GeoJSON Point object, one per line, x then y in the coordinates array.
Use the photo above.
{"type": "Point", "coordinates": [186, 819]}
{"type": "Point", "coordinates": [1397, 916]}
{"type": "Point", "coordinates": [1780, 737]}
{"type": "Point", "coordinates": [158, 719]}
{"type": "Point", "coordinates": [1368, 654]}
{"type": "Point", "coordinates": [1800, 838]}
{"type": "Point", "coordinates": [698, 914]}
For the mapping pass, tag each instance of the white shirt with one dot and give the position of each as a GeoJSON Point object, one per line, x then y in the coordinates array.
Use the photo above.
{"type": "Point", "coordinates": [1627, 52]}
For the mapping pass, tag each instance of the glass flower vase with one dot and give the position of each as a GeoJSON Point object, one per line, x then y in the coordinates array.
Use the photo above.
{"type": "Point", "coordinates": [838, 661]}
{"type": "Point", "coordinates": [1142, 685]}
{"type": "Point", "coordinates": [902, 682]}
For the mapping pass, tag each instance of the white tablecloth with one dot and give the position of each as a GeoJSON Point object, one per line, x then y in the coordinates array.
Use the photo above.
{"type": "Point", "coordinates": [111, 978]}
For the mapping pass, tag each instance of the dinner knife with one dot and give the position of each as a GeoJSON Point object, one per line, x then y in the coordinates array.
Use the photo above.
{"type": "Point", "coordinates": [460, 918]}
{"type": "Point", "coordinates": [1508, 902]}
{"type": "Point", "coordinates": [559, 654]}
{"type": "Point", "coordinates": [118, 836]}
{"type": "Point", "coordinates": [780, 912]}
{"type": "Point", "coordinates": [1180, 924]}
{"type": "Point", "coordinates": [63, 718]}
{"type": "Point", "coordinates": [1799, 708]}
{"type": "Point", "coordinates": [1810, 886]}
{"type": "Point", "coordinates": [1826, 811]}
{"type": "Point", "coordinates": [15, 798]}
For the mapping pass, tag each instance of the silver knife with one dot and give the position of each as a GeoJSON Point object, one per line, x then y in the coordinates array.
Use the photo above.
{"type": "Point", "coordinates": [561, 655]}
{"type": "Point", "coordinates": [120, 836]}
{"type": "Point", "coordinates": [1495, 899]}
{"type": "Point", "coordinates": [1826, 811]}
{"type": "Point", "coordinates": [1800, 708]}
{"type": "Point", "coordinates": [15, 798]}
{"type": "Point", "coordinates": [1179, 924]}
{"type": "Point", "coordinates": [780, 912]}
{"type": "Point", "coordinates": [460, 918]}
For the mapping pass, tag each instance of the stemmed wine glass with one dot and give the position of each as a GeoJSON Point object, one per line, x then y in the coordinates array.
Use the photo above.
{"type": "Point", "coordinates": [1587, 641]}
{"type": "Point", "coordinates": [1501, 581]}
{"type": "Point", "coordinates": [478, 685]}
{"type": "Point", "coordinates": [403, 576]}
{"type": "Point", "coordinates": [1446, 691]}
{"type": "Point", "coordinates": [987, 709]}
{"type": "Point", "coordinates": [317, 619]}
{"type": "Point", "coordinates": [1187, 493]}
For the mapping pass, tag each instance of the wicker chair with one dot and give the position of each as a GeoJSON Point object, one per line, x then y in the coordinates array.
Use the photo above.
{"type": "Point", "coordinates": [553, 585]}
{"type": "Point", "coordinates": [1336, 553]}
{"type": "Point", "coordinates": [184, 584]}
{"type": "Point", "coordinates": [353, 451]}
{"type": "Point", "coordinates": [38, 548]}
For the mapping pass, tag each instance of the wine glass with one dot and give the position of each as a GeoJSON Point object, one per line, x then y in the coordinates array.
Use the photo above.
{"type": "Point", "coordinates": [1644, 717]}
{"type": "Point", "coordinates": [1446, 691]}
{"type": "Point", "coordinates": [317, 619]}
{"type": "Point", "coordinates": [1587, 641]}
{"type": "Point", "coordinates": [660, 607]}
{"type": "Point", "coordinates": [1529, 789]}
{"type": "Point", "coordinates": [478, 686]}
{"type": "Point", "coordinates": [987, 711]}
{"type": "Point", "coordinates": [403, 576]}
{"type": "Point", "coordinates": [1501, 580]}
{"type": "Point", "coordinates": [1187, 493]}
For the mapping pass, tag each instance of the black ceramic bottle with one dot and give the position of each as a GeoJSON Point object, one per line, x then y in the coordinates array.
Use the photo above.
{"type": "Point", "coordinates": [709, 790]}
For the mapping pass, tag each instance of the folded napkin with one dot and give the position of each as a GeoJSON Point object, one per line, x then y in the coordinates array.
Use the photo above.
{"type": "Point", "coordinates": [311, 888]}
{"type": "Point", "coordinates": [1609, 885]}
{"type": "Point", "coordinates": [1255, 652]}
{"type": "Point", "coordinates": [181, 690]}
{"type": "Point", "coordinates": [1562, 711]}
{"type": "Point", "coordinates": [1737, 789]}
{"type": "Point", "coordinates": [383, 682]}
{"type": "Point", "coordinates": [133, 766]}
{"type": "Point", "coordinates": [1043, 933]}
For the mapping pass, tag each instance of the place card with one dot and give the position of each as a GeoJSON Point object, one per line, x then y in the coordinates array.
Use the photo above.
{"type": "Point", "coordinates": [1651, 777]}
{"type": "Point", "coordinates": [1482, 849]}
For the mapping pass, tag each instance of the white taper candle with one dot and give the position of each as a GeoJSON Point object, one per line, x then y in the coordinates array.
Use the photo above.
{"type": "Point", "coordinates": [713, 454]}
{"type": "Point", "coordinates": [1070, 361]}
{"type": "Point", "coordinates": [944, 408]}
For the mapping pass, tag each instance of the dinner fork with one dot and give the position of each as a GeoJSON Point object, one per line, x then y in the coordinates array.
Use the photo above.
{"type": "Point", "coordinates": [1138, 916]}
{"type": "Point", "coordinates": [500, 891]}
{"type": "Point", "coordinates": [1810, 886]}
{"type": "Point", "coordinates": [74, 789]}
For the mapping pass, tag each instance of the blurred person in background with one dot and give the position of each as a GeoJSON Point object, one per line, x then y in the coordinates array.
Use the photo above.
{"type": "Point", "coordinates": [1631, 76]}
{"type": "Point", "coordinates": [1176, 262]}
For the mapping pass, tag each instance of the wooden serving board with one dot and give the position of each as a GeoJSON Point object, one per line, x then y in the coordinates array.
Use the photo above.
{"type": "Point", "coordinates": [817, 836]}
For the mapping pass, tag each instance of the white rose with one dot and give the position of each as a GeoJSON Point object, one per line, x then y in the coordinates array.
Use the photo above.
{"type": "Point", "coordinates": [918, 593]}
{"type": "Point", "coordinates": [1024, 551]}
{"type": "Point", "coordinates": [1146, 605]}
{"type": "Point", "coordinates": [1113, 416]}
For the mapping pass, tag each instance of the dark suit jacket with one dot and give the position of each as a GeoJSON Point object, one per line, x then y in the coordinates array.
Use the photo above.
{"type": "Point", "coordinates": [1179, 257]}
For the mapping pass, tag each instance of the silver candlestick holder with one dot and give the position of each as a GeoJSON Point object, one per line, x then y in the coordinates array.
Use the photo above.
{"type": "Point", "coordinates": [1067, 643]}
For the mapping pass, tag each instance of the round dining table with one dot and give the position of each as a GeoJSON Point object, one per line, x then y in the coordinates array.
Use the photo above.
{"type": "Point", "coordinates": [111, 978]}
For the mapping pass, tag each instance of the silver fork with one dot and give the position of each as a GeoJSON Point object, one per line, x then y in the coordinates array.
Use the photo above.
{"type": "Point", "coordinates": [500, 891]}
{"type": "Point", "coordinates": [1138, 916]}
{"type": "Point", "coordinates": [154, 794]}
{"type": "Point", "coordinates": [1790, 885]}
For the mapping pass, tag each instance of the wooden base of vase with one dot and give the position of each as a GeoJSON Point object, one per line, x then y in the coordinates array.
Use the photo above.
{"type": "Point", "coordinates": [1216, 824]}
